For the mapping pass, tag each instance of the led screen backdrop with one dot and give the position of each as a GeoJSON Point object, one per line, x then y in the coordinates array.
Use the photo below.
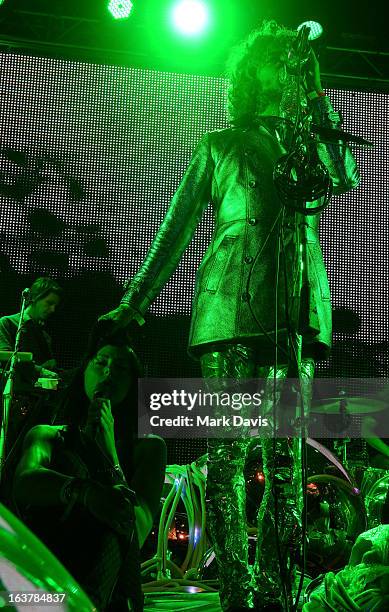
{"type": "Point", "coordinates": [90, 156]}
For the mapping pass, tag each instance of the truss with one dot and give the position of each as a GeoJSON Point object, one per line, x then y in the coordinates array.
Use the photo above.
{"type": "Point", "coordinates": [95, 40]}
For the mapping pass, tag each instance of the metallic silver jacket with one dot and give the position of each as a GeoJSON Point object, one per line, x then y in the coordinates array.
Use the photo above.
{"type": "Point", "coordinates": [243, 274]}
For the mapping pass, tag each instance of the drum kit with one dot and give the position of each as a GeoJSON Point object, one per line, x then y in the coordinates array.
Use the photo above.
{"type": "Point", "coordinates": [345, 495]}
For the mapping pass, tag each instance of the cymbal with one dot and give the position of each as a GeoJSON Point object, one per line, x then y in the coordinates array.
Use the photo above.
{"type": "Point", "coordinates": [348, 405]}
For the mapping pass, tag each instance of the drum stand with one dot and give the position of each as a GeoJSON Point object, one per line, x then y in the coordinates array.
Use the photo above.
{"type": "Point", "coordinates": [340, 446]}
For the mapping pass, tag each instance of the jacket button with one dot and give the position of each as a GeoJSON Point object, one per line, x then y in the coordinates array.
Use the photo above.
{"type": "Point", "coordinates": [252, 183]}
{"type": "Point", "coordinates": [245, 297]}
{"type": "Point", "coordinates": [253, 221]}
{"type": "Point", "coordinates": [248, 259]}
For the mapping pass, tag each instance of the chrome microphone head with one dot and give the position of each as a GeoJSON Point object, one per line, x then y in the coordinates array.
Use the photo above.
{"type": "Point", "coordinates": [299, 52]}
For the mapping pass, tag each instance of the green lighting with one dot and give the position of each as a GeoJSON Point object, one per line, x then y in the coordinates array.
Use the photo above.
{"type": "Point", "coordinates": [316, 29]}
{"type": "Point", "coordinates": [190, 17]}
{"type": "Point", "coordinates": [119, 9]}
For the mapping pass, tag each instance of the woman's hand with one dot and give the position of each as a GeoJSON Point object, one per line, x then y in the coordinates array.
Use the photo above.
{"type": "Point", "coordinates": [101, 419]}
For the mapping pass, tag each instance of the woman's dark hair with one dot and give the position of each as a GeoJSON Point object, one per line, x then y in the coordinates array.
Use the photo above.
{"type": "Point", "coordinates": [74, 406]}
{"type": "Point", "coordinates": [42, 286]}
{"type": "Point", "coordinates": [245, 100]}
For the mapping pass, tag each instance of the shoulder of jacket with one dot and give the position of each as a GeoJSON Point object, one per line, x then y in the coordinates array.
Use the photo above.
{"type": "Point", "coordinates": [223, 133]}
{"type": "Point", "coordinates": [219, 138]}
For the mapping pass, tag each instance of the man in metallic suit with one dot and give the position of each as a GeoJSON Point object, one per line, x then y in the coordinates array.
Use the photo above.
{"type": "Point", "coordinates": [244, 294]}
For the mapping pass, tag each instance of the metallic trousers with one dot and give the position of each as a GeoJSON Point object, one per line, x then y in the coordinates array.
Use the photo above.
{"type": "Point", "coordinates": [280, 512]}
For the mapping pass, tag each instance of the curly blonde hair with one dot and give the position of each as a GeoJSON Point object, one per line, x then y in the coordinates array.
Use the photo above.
{"type": "Point", "coordinates": [245, 100]}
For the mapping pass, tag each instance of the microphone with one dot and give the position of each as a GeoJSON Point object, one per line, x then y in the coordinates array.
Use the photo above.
{"type": "Point", "coordinates": [299, 52]}
{"type": "Point", "coordinates": [103, 391]}
{"type": "Point", "coordinates": [293, 101]}
{"type": "Point", "coordinates": [26, 293]}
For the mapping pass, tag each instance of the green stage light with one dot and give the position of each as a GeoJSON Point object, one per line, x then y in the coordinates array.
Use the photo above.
{"type": "Point", "coordinates": [316, 30]}
{"type": "Point", "coordinates": [120, 9]}
{"type": "Point", "coordinates": [190, 17]}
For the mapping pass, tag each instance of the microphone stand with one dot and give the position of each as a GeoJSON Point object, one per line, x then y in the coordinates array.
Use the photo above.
{"type": "Point", "coordinates": [289, 175]}
{"type": "Point", "coordinates": [8, 392]}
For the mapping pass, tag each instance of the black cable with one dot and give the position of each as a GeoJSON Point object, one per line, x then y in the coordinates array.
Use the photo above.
{"type": "Point", "coordinates": [290, 195]}
{"type": "Point", "coordinates": [304, 471]}
{"type": "Point", "coordinates": [274, 489]}
{"type": "Point", "coordinates": [306, 187]}
{"type": "Point", "coordinates": [304, 477]}
{"type": "Point", "coordinates": [280, 240]}
{"type": "Point", "coordinates": [304, 467]}
{"type": "Point", "coordinates": [303, 444]}
{"type": "Point", "coordinates": [274, 342]}
{"type": "Point", "coordinates": [286, 195]}
{"type": "Point", "coordinates": [277, 347]}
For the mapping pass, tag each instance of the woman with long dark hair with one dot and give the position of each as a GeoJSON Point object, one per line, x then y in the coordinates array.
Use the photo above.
{"type": "Point", "coordinates": [90, 488]}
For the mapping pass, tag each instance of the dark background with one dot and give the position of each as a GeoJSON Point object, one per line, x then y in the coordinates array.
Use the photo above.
{"type": "Point", "coordinates": [98, 121]}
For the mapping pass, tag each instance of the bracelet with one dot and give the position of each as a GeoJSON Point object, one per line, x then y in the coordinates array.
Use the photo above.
{"type": "Point", "coordinates": [65, 493]}
{"type": "Point", "coordinates": [312, 95]}
{"type": "Point", "coordinates": [114, 471]}
{"type": "Point", "coordinates": [118, 470]}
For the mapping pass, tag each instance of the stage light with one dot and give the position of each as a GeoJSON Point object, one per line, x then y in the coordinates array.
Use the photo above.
{"type": "Point", "coordinates": [190, 17]}
{"type": "Point", "coordinates": [120, 9]}
{"type": "Point", "coordinates": [316, 30]}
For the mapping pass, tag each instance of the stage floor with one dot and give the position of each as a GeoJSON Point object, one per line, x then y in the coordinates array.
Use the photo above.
{"type": "Point", "coordinates": [175, 602]}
